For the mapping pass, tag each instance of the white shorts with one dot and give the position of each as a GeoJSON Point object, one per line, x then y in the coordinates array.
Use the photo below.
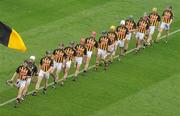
{"type": "Point", "coordinates": [102, 53]}
{"type": "Point", "coordinates": [78, 60]}
{"type": "Point", "coordinates": [128, 36]}
{"type": "Point", "coordinates": [28, 80]}
{"type": "Point", "coordinates": [139, 35]}
{"type": "Point", "coordinates": [44, 74]}
{"type": "Point", "coordinates": [21, 83]}
{"type": "Point", "coordinates": [57, 66]}
{"type": "Point", "coordinates": [165, 26]}
{"type": "Point", "coordinates": [152, 29]}
{"type": "Point", "coordinates": [111, 48]}
{"type": "Point", "coordinates": [89, 54]}
{"type": "Point", "coordinates": [68, 64]}
{"type": "Point", "coordinates": [120, 43]}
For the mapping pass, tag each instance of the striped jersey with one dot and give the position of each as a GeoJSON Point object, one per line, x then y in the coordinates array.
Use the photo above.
{"type": "Point", "coordinates": [112, 36]}
{"type": "Point", "coordinates": [80, 50]}
{"type": "Point", "coordinates": [142, 25]}
{"type": "Point", "coordinates": [70, 53]}
{"type": "Point", "coordinates": [23, 72]}
{"type": "Point", "coordinates": [130, 24]}
{"type": "Point", "coordinates": [122, 31]}
{"type": "Point", "coordinates": [46, 63]}
{"type": "Point", "coordinates": [90, 43]}
{"type": "Point", "coordinates": [167, 16]}
{"type": "Point", "coordinates": [103, 43]}
{"type": "Point", "coordinates": [59, 55]}
{"type": "Point", "coordinates": [154, 19]}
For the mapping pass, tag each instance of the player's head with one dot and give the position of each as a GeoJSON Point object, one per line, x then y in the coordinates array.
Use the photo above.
{"type": "Point", "coordinates": [169, 7]}
{"type": "Point", "coordinates": [130, 17]}
{"type": "Point", "coordinates": [145, 16]}
{"type": "Point", "coordinates": [72, 44]}
{"type": "Point", "coordinates": [113, 28]}
{"type": "Point", "coordinates": [122, 22]}
{"type": "Point", "coordinates": [32, 58]}
{"type": "Point", "coordinates": [25, 63]}
{"type": "Point", "coordinates": [93, 34]}
{"type": "Point", "coordinates": [48, 53]}
{"type": "Point", "coordinates": [104, 33]}
{"type": "Point", "coordinates": [154, 10]}
{"type": "Point", "coordinates": [82, 41]}
{"type": "Point", "coordinates": [61, 46]}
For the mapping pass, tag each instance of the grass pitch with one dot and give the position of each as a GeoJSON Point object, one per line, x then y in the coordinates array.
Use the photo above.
{"type": "Point", "coordinates": [142, 85]}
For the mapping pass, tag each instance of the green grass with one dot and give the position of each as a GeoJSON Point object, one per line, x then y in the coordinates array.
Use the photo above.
{"type": "Point", "coordinates": [143, 85]}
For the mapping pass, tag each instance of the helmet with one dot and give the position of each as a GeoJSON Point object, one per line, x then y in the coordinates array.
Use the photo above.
{"type": "Point", "coordinates": [104, 33]}
{"type": "Point", "coordinates": [93, 33]}
{"type": "Point", "coordinates": [33, 58]}
{"type": "Point", "coordinates": [154, 9]}
{"type": "Point", "coordinates": [130, 17]}
{"type": "Point", "coordinates": [122, 22]}
{"type": "Point", "coordinates": [113, 27]}
{"type": "Point", "coordinates": [48, 53]}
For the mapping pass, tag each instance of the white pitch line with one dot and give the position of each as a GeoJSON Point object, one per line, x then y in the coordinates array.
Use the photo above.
{"type": "Point", "coordinates": [129, 51]}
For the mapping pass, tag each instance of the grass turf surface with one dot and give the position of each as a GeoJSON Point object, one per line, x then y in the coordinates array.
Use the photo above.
{"type": "Point", "coordinates": [141, 85]}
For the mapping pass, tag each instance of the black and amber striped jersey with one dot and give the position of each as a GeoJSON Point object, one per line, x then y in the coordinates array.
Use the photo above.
{"type": "Point", "coordinates": [23, 72]}
{"type": "Point", "coordinates": [46, 63]}
{"type": "Point", "coordinates": [59, 55]}
{"type": "Point", "coordinates": [154, 19]}
{"type": "Point", "coordinates": [112, 36]}
{"type": "Point", "coordinates": [142, 26]}
{"type": "Point", "coordinates": [103, 43]}
{"type": "Point", "coordinates": [80, 50]}
{"type": "Point", "coordinates": [167, 16]}
{"type": "Point", "coordinates": [90, 43]}
{"type": "Point", "coordinates": [70, 53]}
{"type": "Point", "coordinates": [122, 31]}
{"type": "Point", "coordinates": [130, 24]}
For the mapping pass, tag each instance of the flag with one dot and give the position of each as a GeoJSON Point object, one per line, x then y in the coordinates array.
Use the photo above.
{"type": "Point", "coordinates": [10, 38]}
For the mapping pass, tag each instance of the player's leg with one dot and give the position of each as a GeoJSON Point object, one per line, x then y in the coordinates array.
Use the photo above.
{"type": "Point", "coordinates": [162, 26]}
{"type": "Point", "coordinates": [66, 70]}
{"type": "Point", "coordinates": [21, 86]}
{"type": "Point", "coordinates": [46, 82]}
{"type": "Point", "coordinates": [39, 80]}
{"type": "Point", "coordinates": [26, 87]}
{"type": "Point", "coordinates": [126, 46]}
{"type": "Point", "coordinates": [78, 65]}
{"type": "Point", "coordinates": [98, 57]}
{"type": "Point", "coordinates": [167, 27]}
{"type": "Point", "coordinates": [122, 53]}
{"type": "Point", "coordinates": [105, 59]}
{"type": "Point", "coordinates": [57, 72]}
{"type": "Point", "coordinates": [87, 58]}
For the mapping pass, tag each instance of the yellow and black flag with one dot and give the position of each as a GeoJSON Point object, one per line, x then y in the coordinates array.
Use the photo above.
{"type": "Point", "coordinates": [10, 38]}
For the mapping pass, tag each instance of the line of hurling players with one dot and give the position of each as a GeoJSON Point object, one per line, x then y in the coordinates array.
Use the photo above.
{"type": "Point", "coordinates": [61, 59]}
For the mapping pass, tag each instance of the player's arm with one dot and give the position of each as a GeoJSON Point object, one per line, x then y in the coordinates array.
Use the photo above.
{"type": "Point", "coordinates": [51, 67]}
